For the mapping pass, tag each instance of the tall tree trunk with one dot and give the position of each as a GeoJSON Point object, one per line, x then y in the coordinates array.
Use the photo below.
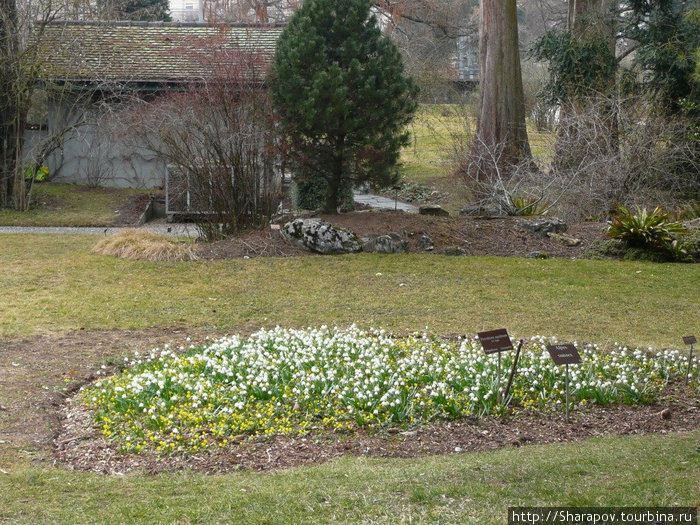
{"type": "Point", "coordinates": [12, 116]}
{"type": "Point", "coordinates": [501, 123]}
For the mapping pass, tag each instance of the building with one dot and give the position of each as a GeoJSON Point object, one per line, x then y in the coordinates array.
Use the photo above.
{"type": "Point", "coordinates": [92, 69]}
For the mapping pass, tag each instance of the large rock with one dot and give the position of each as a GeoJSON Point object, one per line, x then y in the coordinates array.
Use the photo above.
{"type": "Point", "coordinates": [542, 227]}
{"type": "Point", "coordinates": [453, 250]}
{"type": "Point", "coordinates": [425, 243]}
{"type": "Point", "coordinates": [319, 236]}
{"type": "Point", "coordinates": [566, 240]}
{"type": "Point", "coordinates": [433, 209]}
{"type": "Point", "coordinates": [391, 243]}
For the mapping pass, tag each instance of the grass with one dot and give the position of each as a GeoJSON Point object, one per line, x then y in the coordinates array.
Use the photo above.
{"type": "Point", "coordinates": [61, 286]}
{"type": "Point", "coordinates": [69, 205]}
{"type": "Point", "coordinates": [465, 488]}
{"type": "Point", "coordinates": [436, 134]}
{"type": "Point", "coordinates": [144, 245]}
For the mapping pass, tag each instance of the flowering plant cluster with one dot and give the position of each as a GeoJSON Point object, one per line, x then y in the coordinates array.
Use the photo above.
{"type": "Point", "coordinates": [292, 381]}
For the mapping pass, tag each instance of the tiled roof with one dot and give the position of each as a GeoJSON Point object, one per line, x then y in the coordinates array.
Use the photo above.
{"type": "Point", "coordinates": [152, 52]}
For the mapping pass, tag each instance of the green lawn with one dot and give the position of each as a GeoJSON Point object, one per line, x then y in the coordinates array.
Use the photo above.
{"type": "Point", "coordinates": [69, 205]}
{"type": "Point", "coordinates": [467, 488]}
{"type": "Point", "coordinates": [61, 286]}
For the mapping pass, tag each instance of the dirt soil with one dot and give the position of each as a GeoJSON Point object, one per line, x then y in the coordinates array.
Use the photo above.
{"type": "Point", "coordinates": [504, 237]}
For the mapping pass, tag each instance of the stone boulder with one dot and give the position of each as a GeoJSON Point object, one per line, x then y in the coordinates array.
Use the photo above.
{"type": "Point", "coordinates": [319, 236]}
{"type": "Point", "coordinates": [542, 227]}
{"type": "Point", "coordinates": [390, 243]}
{"type": "Point", "coordinates": [433, 209]}
{"type": "Point", "coordinates": [566, 240]}
{"type": "Point", "coordinates": [454, 251]}
{"type": "Point", "coordinates": [425, 243]}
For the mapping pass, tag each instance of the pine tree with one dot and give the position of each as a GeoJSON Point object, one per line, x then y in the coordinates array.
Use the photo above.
{"type": "Point", "coordinates": [339, 89]}
{"type": "Point", "coordinates": [147, 10]}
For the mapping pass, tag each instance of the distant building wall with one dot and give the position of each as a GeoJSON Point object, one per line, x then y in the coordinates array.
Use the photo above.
{"type": "Point", "coordinates": [91, 154]}
{"type": "Point", "coordinates": [186, 11]}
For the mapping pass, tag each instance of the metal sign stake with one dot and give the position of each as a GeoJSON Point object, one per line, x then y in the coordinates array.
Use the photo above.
{"type": "Point", "coordinates": [496, 341]}
{"type": "Point", "coordinates": [498, 380]}
{"type": "Point", "coordinates": [512, 370]}
{"type": "Point", "coordinates": [567, 392]}
{"type": "Point", "coordinates": [690, 364]}
{"type": "Point", "coordinates": [689, 340]}
{"type": "Point", "coordinates": [565, 354]}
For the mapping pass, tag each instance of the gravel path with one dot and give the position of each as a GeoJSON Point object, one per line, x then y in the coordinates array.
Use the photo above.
{"type": "Point", "coordinates": [178, 230]}
{"type": "Point", "coordinates": [383, 203]}
{"type": "Point", "coordinates": [188, 229]}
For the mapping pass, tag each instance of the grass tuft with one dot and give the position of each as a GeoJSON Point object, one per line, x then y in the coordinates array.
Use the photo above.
{"type": "Point", "coordinates": [145, 246]}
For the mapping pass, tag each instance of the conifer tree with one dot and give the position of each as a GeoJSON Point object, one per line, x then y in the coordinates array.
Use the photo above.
{"type": "Point", "coordinates": [342, 97]}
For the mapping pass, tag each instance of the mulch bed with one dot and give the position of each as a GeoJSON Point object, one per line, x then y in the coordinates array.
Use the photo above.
{"type": "Point", "coordinates": [80, 447]}
{"type": "Point", "coordinates": [503, 237]}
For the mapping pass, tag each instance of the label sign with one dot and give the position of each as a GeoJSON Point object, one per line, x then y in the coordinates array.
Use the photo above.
{"type": "Point", "coordinates": [689, 339]}
{"type": "Point", "coordinates": [564, 354]}
{"type": "Point", "coordinates": [495, 341]}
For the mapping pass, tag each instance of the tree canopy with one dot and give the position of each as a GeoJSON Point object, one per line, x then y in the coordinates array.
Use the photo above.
{"type": "Point", "coordinates": [342, 97]}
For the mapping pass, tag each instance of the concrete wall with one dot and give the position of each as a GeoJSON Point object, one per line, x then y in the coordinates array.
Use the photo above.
{"type": "Point", "coordinates": [94, 153]}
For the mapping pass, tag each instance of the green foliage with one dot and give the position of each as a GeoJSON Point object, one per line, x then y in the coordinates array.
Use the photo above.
{"type": "Point", "coordinates": [311, 193]}
{"type": "Point", "coordinates": [688, 211]}
{"type": "Point", "coordinates": [36, 173]}
{"type": "Point", "coordinates": [529, 206]}
{"type": "Point", "coordinates": [653, 231]}
{"type": "Point", "coordinates": [339, 89]}
{"type": "Point", "coordinates": [577, 67]}
{"type": "Point", "coordinates": [147, 10]}
{"type": "Point", "coordinates": [668, 34]}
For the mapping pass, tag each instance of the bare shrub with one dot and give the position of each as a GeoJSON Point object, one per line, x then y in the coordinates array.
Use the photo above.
{"type": "Point", "coordinates": [497, 185]}
{"type": "Point", "coordinates": [220, 135]}
{"type": "Point", "coordinates": [144, 245]}
{"type": "Point", "coordinates": [614, 153]}
{"type": "Point", "coordinates": [605, 153]}
{"type": "Point", "coordinates": [98, 169]}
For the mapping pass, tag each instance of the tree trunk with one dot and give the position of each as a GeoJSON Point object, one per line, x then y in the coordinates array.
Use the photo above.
{"type": "Point", "coordinates": [501, 123]}
{"type": "Point", "coordinates": [12, 118]}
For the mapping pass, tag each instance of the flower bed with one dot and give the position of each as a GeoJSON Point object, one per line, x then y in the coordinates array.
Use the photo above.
{"type": "Point", "coordinates": [292, 381]}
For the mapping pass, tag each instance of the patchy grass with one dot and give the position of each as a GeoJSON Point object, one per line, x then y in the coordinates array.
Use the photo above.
{"type": "Point", "coordinates": [145, 246]}
{"type": "Point", "coordinates": [61, 286]}
{"type": "Point", "coordinates": [658, 470]}
{"type": "Point", "coordinates": [69, 205]}
{"type": "Point", "coordinates": [438, 133]}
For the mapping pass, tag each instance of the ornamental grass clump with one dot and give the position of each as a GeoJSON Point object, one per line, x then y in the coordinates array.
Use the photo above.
{"type": "Point", "coordinates": [295, 381]}
{"type": "Point", "coordinates": [144, 245]}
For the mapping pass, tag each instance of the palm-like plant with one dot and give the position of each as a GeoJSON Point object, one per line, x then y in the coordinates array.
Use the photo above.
{"type": "Point", "coordinates": [645, 229]}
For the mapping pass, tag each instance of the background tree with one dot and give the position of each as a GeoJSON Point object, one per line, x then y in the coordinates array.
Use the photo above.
{"type": "Point", "coordinates": [501, 122]}
{"type": "Point", "coordinates": [140, 10]}
{"type": "Point", "coordinates": [342, 97]}
{"type": "Point", "coordinates": [21, 29]}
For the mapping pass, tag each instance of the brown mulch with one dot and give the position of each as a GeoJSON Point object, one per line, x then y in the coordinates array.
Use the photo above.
{"type": "Point", "coordinates": [80, 447]}
{"type": "Point", "coordinates": [131, 210]}
{"type": "Point", "coordinates": [503, 237]}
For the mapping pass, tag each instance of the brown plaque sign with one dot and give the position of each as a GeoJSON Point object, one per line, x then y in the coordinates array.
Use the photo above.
{"type": "Point", "coordinates": [495, 341]}
{"type": "Point", "coordinates": [689, 339]}
{"type": "Point", "coordinates": [564, 354]}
